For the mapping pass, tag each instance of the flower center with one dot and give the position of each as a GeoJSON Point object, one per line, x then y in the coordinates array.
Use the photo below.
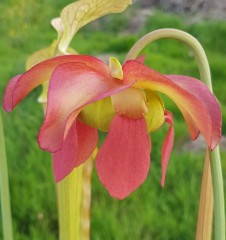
{"type": "Point", "coordinates": [131, 102]}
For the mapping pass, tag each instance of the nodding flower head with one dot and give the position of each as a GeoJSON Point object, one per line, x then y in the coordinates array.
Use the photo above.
{"type": "Point", "coordinates": [85, 94]}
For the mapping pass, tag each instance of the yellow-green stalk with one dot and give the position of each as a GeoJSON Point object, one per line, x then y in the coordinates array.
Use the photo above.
{"type": "Point", "coordinates": [204, 223]}
{"type": "Point", "coordinates": [86, 197]}
{"type": "Point", "coordinates": [73, 196]}
{"type": "Point", "coordinates": [74, 201]}
{"type": "Point", "coordinates": [69, 196]}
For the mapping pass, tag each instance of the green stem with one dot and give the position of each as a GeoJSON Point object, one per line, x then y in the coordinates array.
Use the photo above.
{"type": "Point", "coordinates": [204, 226]}
{"type": "Point", "coordinates": [69, 196]}
{"type": "Point", "coordinates": [4, 187]}
{"type": "Point", "coordinates": [74, 197]}
{"type": "Point", "coordinates": [181, 36]}
{"type": "Point", "coordinates": [219, 212]}
{"type": "Point", "coordinates": [74, 202]}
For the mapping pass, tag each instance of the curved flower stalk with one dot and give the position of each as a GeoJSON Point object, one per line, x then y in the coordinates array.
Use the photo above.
{"type": "Point", "coordinates": [206, 200]}
{"type": "Point", "coordinates": [123, 101]}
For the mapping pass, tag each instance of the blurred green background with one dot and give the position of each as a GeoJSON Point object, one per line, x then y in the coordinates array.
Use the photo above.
{"type": "Point", "coordinates": [150, 212]}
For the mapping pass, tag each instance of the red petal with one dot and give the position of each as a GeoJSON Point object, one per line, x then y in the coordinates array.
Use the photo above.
{"type": "Point", "coordinates": [87, 142]}
{"type": "Point", "coordinates": [7, 99]}
{"type": "Point", "coordinates": [77, 147]}
{"type": "Point", "coordinates": [124, 159]}
{"type": "Point", "coordinates": [72, 86]}
{"type": "Point", "coordinates": [201, 91]}
{"type": "Point", "coordinates": [194, 131]}
{"type": "Point", "coordinates": [16, 91]}
{"type": "Point", "coordinates": [188, 103]}
{"type": "Point", "coordinates": [167, 145]}
{"type": "Point", "coordinates": [65, 159]}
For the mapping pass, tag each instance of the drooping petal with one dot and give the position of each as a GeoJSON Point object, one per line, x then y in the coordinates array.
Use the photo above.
{"type": "Point", "coordinates": [79, 144]}
{"type": "Point", "coordinates": [87, 141]}
{"type": "Point", "coordinates": [40, 73]}
{"type": "Point", "coordinates": [201, 91]}
{"type": "Point", "coordinates": [193, 130]}
{"type": "Point", "coordinates": [76, 15]}
{"type": "Point", "coordinates": [167, 145]}
{"type": "Point", "coordinates": [123, 160]}
{"type": "Point", "coordinates": [149, 79]}
{"type": "Point", "coordinates": [72, 86]}
{"type": "Point", "coordinates": [7, 98]}
{"type": "Point", "coordinates": [64, 160]}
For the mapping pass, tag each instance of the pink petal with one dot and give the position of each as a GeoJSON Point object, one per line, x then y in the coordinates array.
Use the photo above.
{"type": "Point", "coordinates": [201, 91]}
{"type": "Point", "coordinates": [7, 99]}
{"type": "Point", "coordinates": [64, 160]}
{"type": "Point", "coordinates": [19, 88]}
{"type": "Point", "coordinates": [188, 103]}
{"type": "Point", "coordinates": [77, 147]}
{"type": "Point", "coordinates": [193, 130]}
{"type": "Point", "coordinates": [167, 145]}
{"type": "Point", "coordinates": [87, 142]}
{"type": "Point", "coordinates": [124, 158]}
{"type": "Point", "coordinates": [72, 86]}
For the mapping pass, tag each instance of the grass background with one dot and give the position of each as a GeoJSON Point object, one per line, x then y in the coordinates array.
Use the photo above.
{"type": "Point", "coordinates": [150, 212]}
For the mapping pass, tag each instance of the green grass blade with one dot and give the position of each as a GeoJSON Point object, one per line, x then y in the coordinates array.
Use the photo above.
{"type": "Point", "coordinates": [4, 188]}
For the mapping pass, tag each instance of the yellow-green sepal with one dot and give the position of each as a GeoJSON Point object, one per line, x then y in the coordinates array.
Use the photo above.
{"type": "Point", "coordinates": [98, 114]}
{"type": "Point", "coordinates": [155, 115]}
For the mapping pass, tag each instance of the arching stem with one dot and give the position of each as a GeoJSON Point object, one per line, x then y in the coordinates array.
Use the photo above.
{"type": "Point", "coordinates": [217, 179]}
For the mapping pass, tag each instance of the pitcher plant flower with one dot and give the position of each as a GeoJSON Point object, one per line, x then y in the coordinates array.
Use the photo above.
{"type": "Point", "coordinates": [85, 94]}
{"type": "Point", "coordinates": [72, 18]}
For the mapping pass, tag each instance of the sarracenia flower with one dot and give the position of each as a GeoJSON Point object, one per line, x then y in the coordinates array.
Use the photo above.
{"type": "Point", "coordinates": [85, 94]}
